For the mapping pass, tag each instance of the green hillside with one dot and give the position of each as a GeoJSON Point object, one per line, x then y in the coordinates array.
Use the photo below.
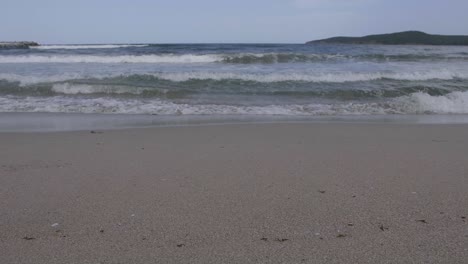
{"type": "Point", "coordinates": [400, 38]}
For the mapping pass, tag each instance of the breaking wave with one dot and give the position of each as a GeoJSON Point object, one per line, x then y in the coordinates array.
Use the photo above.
{"type": "Point", "coordinates": [188, 58]}
{"type": "Point", "coordinates": [242, 58]}
{"type": "Point", "coordinates": [97, 46]}
{"type": "Point", "coordinates": [189, 90]}
{"type": "Point", "coordinates": [269, 58]}
{"type": "Point", "coordinates": [416, 103]}
{"type": "Point", "coordinates": [311, 77]}
{"type": "Point", "coordinates": [229, 77]}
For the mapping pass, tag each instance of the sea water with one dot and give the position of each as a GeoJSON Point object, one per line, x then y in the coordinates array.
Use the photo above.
{"type": "Point", "coordinates": [262, 80]}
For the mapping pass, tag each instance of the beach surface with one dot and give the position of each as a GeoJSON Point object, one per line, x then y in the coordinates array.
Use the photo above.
{"type": "Point", "coordinates": [241, 193]}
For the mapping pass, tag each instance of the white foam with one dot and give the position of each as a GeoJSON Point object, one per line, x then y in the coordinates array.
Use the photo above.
{"type": "Point", "coordinates": [168, 58]}
{"type": "Point", "coordinates": [278, 57]}
{"type": "Point", "coordinates": [417, 103]}
{"type": "Point", "coordinates": [71, 88]}
{"type": "Point", "coordinates": [35, 79]}
{"type": "Point", "coordinates": [452, 103]}
{"type": "Point", "coordinates": [341, 77]}
{"type": "Point", "coordinates": [312, 77]}
{"type": "Point", "coordinates": [104, 46]}
{"type": "Point", "coordinates": [135, 106]}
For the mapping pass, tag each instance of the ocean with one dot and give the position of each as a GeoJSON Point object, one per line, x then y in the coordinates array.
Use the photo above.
{"type": "Point", "coordinates": [222, 80]}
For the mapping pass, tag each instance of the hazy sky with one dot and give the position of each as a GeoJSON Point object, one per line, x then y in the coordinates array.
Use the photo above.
{"type": "Point", "coordinates": [233, 21]}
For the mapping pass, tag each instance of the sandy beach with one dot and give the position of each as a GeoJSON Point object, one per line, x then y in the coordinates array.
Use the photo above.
{"type": "Point", "coordinates": [251, 193]}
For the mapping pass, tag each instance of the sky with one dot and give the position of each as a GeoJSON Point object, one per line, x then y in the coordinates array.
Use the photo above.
{"type": "Point", "coordinates": [222, 21]}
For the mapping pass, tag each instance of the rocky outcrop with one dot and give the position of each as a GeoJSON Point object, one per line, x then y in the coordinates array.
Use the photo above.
{"type": "Point", "coordinates": [18, 45]}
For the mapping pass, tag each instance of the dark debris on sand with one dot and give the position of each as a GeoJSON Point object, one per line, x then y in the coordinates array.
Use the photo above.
{"type": "Point", "coordinates": [383, 228]}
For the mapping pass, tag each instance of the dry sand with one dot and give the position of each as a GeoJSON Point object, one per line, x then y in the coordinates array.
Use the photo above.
{"type": "Point", "coordinates": [265, 193]}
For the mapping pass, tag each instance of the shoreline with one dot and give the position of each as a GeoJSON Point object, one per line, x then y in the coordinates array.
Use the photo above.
{"type": "Point", "coordinates": [268, 193]}
{"type": "Point", "coordinates": [61, 122]}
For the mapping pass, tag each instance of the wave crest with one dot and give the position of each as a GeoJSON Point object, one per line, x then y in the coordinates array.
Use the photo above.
{"type": "Point", "coordinates": [242, 58]}
{"type": "Point", "coordinates": [269, 58]}
{"type": "Point", "coordinates": [278, 77]}
{"type": "Point", "coordinates": [188, 58]}
{"type": "Point", "coordinates": [311, 77]}
{"type": "Point", "coordinates": [97, 46]}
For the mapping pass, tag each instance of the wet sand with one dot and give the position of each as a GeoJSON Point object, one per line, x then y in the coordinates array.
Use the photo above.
{"type": "Point", "coordinates": [253, 193]}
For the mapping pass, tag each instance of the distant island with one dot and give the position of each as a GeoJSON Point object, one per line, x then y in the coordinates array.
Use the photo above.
{"type": "Point", "coordinates": [400, 38]}
{"type": "Point", "coordinates": [18, 44]}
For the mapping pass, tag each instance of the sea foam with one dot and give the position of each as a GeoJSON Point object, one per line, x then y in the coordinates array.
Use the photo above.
{"type": "Point", "coordinates": [103, 46]}
{"type": "Point", "coordinates": [423, 103]}
{"type": "Point", "coordinates": [416, 103]}
{"type": "Point", "coordinates": [242, 58]}
{"type": "Point", "coordinates": [188, 58]}
{"type": "Point", "coordinates": [314, 77]}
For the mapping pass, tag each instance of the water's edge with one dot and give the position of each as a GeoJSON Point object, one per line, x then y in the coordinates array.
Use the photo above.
{"type": "Point", "coordinates": [60, 122]}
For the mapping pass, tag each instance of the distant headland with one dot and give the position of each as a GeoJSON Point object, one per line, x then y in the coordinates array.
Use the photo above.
{"type": "Point", "coordinates": [400, 38]}
{"type": "Point", "coordinates": [17, 44]}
